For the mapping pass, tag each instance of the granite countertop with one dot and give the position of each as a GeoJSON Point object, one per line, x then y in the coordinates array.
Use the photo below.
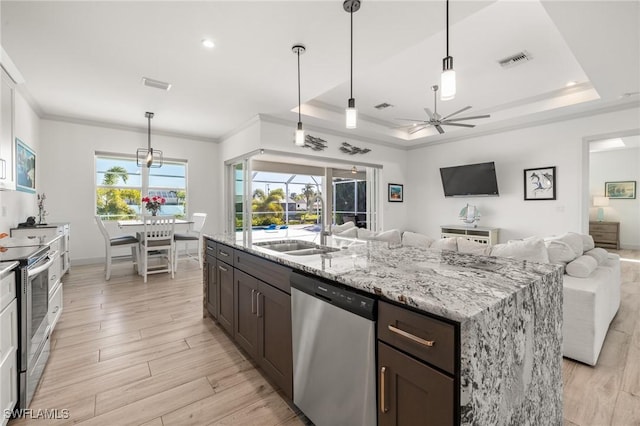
{"type": "Point", "coordinates": [454, 285]}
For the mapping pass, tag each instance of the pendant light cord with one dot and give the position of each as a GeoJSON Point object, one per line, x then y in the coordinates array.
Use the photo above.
{"type": "Point", "coordinates": [299, 118]}
{"type": "Point", "coordinates": [351, 83]}
{"type": "Point", "coordinates": [149, 131]}
{"type": "Point", "coordinates": [447, 18]}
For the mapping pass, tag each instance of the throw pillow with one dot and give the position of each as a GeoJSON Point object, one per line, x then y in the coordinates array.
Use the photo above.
{"type": "Point", "coordinates": [559, 252]}
{"type": "Point", "coordinates": [349, 233]}
{"type": "Point", "coordinates": [445, 244]}
{"type": "Point", "coordinates": [582, 267]}
{"type": "Point", "coordinates": [533, 250]}
{"type": "Point", "coordinates": [574, 240]}
{"type": "Point", "coordinates": [413, 239]}
{"type": "Point", "coordinates": [587, 242]}
{"type": "Point", "coordinates": [392, 236]}
{"type": "Point", "coordinates": [599, 254]}
{"type": "Point", "coordinates": [336, 229]}
{"type": "Point", "coordinates": [473, 247]}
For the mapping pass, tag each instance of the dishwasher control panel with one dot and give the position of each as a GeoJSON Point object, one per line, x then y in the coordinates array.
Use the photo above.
{"type": "Point", "coordinates": [349, 300]}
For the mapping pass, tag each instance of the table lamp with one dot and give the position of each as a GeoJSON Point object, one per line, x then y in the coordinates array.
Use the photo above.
{"type": "Point", "coordinates": [600, 202]}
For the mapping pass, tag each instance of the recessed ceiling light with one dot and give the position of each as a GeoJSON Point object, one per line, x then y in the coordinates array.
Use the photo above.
{"type": "Point", "coordinates": [209, 44]}
{"type": "Point", "coordinates": [571, 83]}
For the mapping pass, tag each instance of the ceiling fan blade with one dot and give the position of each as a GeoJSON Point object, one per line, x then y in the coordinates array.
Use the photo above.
{"type": "Point", "coordinates": [440, 129]}
{"type": "Point", "coordinates": [415, 120]}
{"type": "Point", "coordinates": [444, 123]}
{"type": "Point", "coordinates": [457, 112]}
{"type": "Point", "coordinates": [429, 113]}
{"type": "Point", "coordinates": [417, 129]}
{"type": "Point", "coordinates": [407, 126]}
{"type": "Point", "coordinates": [470, 118]}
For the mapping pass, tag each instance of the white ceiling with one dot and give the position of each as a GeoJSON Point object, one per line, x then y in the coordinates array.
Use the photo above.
{"type": "Point", "coordinates": [83, 60]}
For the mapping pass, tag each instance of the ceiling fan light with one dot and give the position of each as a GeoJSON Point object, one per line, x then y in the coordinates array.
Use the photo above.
{"type": "Point", "coordinates": [447, 80]}
{"type": "Point", "coordinates": [299, 140]}
{"type": "Point", "coordinates": [351, 115]}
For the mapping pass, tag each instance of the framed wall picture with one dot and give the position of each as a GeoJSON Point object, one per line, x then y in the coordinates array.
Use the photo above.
{"type": "Point", "coordinates": [540, 184]}
{"type": "Point", "coordinates": [396, 192]}
{"type": "Point", "coordinates": [25, 168]}
{"type": "Point", "coordinates": [620, 190]}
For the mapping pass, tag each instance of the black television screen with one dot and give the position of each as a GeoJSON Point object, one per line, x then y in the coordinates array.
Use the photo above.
{"type": "Point", "coordinates": [469, 180]}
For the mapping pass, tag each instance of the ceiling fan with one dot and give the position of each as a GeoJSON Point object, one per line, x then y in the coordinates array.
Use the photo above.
{"type": "Point", "coordinates": [436, 120]}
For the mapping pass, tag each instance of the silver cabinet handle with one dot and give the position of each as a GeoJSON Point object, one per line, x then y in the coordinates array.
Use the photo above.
{"type": "Point", "coordinates": [222, 268]}
{"type": "Point", "coordinates": [4, 169]}
{"type": "Point", "coordinates": [411, 337]}
{"type": "Point", "coordinates": [383, 402]}
{"type": "Point", "coordinates": [53, 278]}
{"type": "Point", "coordinates": [258, 304]}
{"type": "Point", "coordinates": [253, 301]}
{"type": "Point", "coordinates": [223, 253]}
{"type": "Point", "coordinates": [56, 309]}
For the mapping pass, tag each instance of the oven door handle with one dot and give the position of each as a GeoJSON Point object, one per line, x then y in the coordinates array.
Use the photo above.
{"type": "Point", "coordinates": [37, 270]}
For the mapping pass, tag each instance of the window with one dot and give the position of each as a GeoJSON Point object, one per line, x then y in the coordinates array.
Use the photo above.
{"type": "Point", "coordinates": [120, 184]}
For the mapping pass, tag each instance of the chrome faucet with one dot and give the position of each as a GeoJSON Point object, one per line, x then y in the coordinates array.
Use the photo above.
{"type": "Point", "coordinates": [323, 232]}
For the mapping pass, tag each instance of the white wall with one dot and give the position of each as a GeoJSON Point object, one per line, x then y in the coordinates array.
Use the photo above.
{"type": "Point", "coordinates": [18, 205]}
{"type": "Point", "coordinates": [68, 177]}
{"type": "Point", "coordinates": [394, 163]}
{"type": "Point", "coordinates": [611, 166]}
{"type": "Point", "coordinates": [557, 144]}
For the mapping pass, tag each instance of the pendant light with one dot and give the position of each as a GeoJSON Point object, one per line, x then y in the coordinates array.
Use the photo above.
{"type": "Point", "coordinates": [448, 77]}
{"type": "Point", "coordinates": [149, 157]}
{"type": "Point", "coordinates": [351, 113]}
{"type": "Point", "coordinates": [299, 49]}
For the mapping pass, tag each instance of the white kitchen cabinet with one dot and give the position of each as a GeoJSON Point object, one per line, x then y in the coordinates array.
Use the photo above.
{"type": "Point", "coordinates": [7, 145]}
{"type": "Point", "coordinates": [8, 347]}
{"type": "Point", "coordinates": [48, 232]}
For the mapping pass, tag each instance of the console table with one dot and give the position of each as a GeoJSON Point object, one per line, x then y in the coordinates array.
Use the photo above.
{"type": "Point", "coordinates": [478, 234]}
{"type": "Point", "coordinates": [605, 234]}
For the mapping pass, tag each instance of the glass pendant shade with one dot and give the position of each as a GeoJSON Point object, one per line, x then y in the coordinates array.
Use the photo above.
{"type": "Point", "coordinates": [299, 141]}
{"type": "Point", "coordinates": [351, 115]}
{"type": "Point", "coordinates": [447, 80]}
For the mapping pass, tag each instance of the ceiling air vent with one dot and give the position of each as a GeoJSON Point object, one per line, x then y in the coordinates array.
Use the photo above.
{"type": "Point", "coordinates": [383, 106]}
{"type": "Point", "coordinates": [513, 60]}
{"type": "Point", "coordinates": [156, 84]}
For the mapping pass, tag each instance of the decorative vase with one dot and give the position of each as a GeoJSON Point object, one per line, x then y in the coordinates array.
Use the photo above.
{"type": "Point", "coordinates": [154, 213]}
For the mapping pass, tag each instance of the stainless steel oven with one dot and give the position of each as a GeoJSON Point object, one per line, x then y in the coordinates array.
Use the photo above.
{"type": "Point", "coordinates": [34, 323]}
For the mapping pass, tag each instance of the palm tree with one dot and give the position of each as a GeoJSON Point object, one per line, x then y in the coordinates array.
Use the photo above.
{"type": "Point", "coordinates": [112, 202]}
{"type": "Point", "coordinates": [308, 192]}
{"type": "Point", "coordinates": [269, 204]}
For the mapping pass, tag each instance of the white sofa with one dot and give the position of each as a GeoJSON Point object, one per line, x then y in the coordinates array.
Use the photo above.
{"type": "Point", "coordinates": [591, 283]}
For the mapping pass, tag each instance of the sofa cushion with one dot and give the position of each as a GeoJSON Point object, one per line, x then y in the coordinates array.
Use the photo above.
{"type": "Point", "coordinates": [365, 234]}
{"type": "Point", "coordinates": [599, 254]}
{"type": "Point", "coordinates": [445, 244]}
{"type": "Point", "coordinates": [559, 251]}
{"type": "Point", "coordinates": [391, 236]}
{"type": "Point", "coordinates": [531, 249]}
{"type": "Point", "coordinates": [337, 229]}
{"type": "Point", "coordinates": [581, 267]}
{"type": "Point", "coordinates": [472, 247]}
{"type": "Point", "coordinates": [349, 233]}
{"type": "Point", "coordinates": [574, 240]}
{"type": "Point", "coordinates": [413, 239]}
{"type": "Point", "coordinates": [587, 242]}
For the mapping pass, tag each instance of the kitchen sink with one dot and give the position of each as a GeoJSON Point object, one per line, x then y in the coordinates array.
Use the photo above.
{"type": "Point", "coordinates": [296, 247]}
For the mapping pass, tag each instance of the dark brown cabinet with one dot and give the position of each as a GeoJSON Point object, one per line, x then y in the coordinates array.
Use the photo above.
{"type": "Point", "coordinates": [209, 277]}
{"type": "Point", "coordinates": [224, 278]}
{"type": "Point", "coordinates": [416, 368]}
{"type": "Point", "coordinates": [245, 289]}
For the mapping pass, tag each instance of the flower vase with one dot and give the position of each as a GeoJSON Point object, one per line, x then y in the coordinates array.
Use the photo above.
{"type": "Point", "coordinates": [154, 213]}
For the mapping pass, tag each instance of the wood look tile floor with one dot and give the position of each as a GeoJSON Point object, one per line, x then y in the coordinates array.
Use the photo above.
{"type": "Point", "coordinates": [129, 353]}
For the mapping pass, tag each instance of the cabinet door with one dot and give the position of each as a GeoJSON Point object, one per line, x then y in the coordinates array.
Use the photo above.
{"type": "Point", "coordinates": [245, 331]}
{"type": "Point", "coordinates": [225, 292]}
{"type": "Point", "coordinates": [211, 286]}
{"type": "Point", "coordinates": [8, 358]}
{"type": "Point", "coordinates": [411, 392]}
{"type": "Point", "coordinates": [7, 145]}
{"type": "Point", "coordinates": [275, 354]}
{"type": "Point", "coordinates": [55, 306]}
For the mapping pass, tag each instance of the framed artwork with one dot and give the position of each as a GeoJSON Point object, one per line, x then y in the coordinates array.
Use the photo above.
{"type": "Point", "coordinates": [620, 190]}
{"type": "Point", "coordinates": [396, 192]}
{"type": "Point", "coordinates": [540, 184]}
{"type": "Point", "coordinates": [25, 168]}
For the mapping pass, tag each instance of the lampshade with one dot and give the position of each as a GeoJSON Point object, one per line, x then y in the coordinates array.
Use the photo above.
{"type": "Point", "coordinates": [351, 115]}
{"type": "Point", "coordinates": [600, 201]}
{"type": "Point", "coordinates": [299, 141]}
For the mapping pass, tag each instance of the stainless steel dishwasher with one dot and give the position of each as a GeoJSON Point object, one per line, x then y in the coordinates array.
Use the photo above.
{"type": "Point", "coordinates": [334, 362]}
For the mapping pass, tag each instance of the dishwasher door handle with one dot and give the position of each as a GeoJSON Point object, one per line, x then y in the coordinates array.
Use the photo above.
{"type": "Point", "coordinates": [383, 388]}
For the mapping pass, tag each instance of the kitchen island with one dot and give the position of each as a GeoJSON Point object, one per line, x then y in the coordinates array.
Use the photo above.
{"type": "Point", "coordinates": [506, 315]}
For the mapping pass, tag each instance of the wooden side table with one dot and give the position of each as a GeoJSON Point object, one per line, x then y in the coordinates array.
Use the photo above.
{"type": "Point", "coordinates": [605, 234]}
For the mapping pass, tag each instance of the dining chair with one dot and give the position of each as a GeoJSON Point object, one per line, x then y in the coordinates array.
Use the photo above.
{"type": "Point", "coordinates": [156, 241]}
{"type": "Point", "coordinates": [194, 234]}
{"type": "Point", "coordinates": [116, 242]}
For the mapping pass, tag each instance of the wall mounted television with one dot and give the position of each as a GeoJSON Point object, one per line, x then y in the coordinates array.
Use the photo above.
{"type": "Point", "coordinates": [470, 180]}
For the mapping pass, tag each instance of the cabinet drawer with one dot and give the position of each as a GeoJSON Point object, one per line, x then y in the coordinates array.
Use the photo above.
{"type": "Point", "coordinates": [603, 227]}
{"type": "Point", "coordinates": [7, 289]}
{"type": "Point", "coordinates": [210, 247]}
{"type": "Point", "coordinates": [55, 306]}
{"type": "Point", "coordinates": [414, 333]}
{"type": "Point", "coordinates": [604, 236]}
{"type": "Point", "coordinates": [34, 232]}
{"type": "Point", "coordinates": [225, 253]}
{"type": "Point", "coordinates": [265, 270]}
{"type": "Point", "coordinates": [55, 273]}
{"type": "Point", "coordinates": [9, 330]}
